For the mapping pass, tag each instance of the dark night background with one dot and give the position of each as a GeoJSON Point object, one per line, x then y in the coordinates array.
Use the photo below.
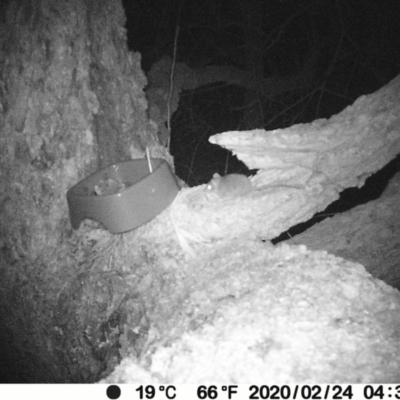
{"type": "Point", "coordinates": [359, 52]}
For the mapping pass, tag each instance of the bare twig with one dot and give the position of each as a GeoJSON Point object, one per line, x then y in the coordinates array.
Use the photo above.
{"type": "Point", "coordinates": [171, 87]}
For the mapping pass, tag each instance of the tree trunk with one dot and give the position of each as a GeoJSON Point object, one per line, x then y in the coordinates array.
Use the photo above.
{"type": "Point", "coordinates": [71, 100]}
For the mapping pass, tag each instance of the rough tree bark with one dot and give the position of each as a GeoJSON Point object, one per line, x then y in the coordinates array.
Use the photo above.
{"type": "Point", "coordinates": [368, 234]}
{"type": "Point", "coordinates": [71, 100]}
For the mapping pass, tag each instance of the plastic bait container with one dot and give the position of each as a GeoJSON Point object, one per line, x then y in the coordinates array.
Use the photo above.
{"type": "Point", "coordinates": [123, 196]}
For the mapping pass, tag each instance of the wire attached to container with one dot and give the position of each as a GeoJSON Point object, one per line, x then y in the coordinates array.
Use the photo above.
{"type": "Point", "coordinates": [149, 160]}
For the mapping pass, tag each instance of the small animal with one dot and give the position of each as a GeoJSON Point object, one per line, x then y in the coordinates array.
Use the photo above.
{"type": "Point", "coordinates": [231, 185]}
